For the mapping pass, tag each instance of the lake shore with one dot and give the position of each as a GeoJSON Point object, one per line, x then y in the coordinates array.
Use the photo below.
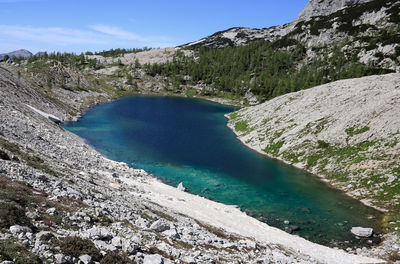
{"type": "Point", "coordinates": [71, 169]}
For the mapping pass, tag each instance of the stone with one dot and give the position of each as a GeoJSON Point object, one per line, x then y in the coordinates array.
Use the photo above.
{"type": "Point", "coordinates": [51, 211]}
{"type": "Point", "coordinates": [153, 259]}
{"type": "Point", "coordinates": [117, 242]}
{"type": "Point", "coordinates": [59, 259]}
{"type": "Point", "coordinates": [181, 187]}
{"type": "Point", "coordinates": [160, 225]}
{"type": "Point", "coordinates": [17, 229]}
{"type": "Point", "coordinates": [129, 247]}
{"type": "Point", "coordinates": [362, 231]}
{"type": "Point", "coordinates": [85, 259]}
{"type": "Point", "coordinates": [172, 233]}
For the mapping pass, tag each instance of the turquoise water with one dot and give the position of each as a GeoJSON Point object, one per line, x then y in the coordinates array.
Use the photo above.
{"type": "Point", "coordinates": [187, 140]}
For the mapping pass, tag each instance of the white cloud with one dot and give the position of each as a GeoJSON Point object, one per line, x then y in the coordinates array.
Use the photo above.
{"type": "Point", "coordinates": [118, 32]}
{"type": "Point", "coordinates": [56, 35]}
{"type": "Point", "coordinates": [93, 35]}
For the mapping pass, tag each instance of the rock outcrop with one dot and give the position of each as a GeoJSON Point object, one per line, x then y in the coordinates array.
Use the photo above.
{"type": "Point", "coordinates": [326, 7]}
{"type": "Point", "coordinates": [67, 194]}
{"type": "Point", "coordinates": [346, 131]}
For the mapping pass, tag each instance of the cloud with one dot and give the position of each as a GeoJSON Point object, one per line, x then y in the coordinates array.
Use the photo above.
{"type": "Point", "coordinates": [92, 35]}
{"type": "Point", "coordinates": [56, 35]}
{"type": "Point", "coordinates": [118, 33]}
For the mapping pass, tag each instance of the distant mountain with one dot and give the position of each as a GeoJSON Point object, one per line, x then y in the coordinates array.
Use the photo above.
{"type": "Point", "coordinates": [40, 53]}
{"type": "Point", "coordinates": [321, 22]}
{"type": "Point", "coordinates": [18, 53]}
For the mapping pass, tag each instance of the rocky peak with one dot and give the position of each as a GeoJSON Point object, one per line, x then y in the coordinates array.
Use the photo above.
{"type": "Point", "coordinates": [326, 7]}
{"type": "Point", "coordinates": [18, 53]}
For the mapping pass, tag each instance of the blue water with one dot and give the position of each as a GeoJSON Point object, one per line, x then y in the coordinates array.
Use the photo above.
{"type": "Point", "coordinates": [187, 140]}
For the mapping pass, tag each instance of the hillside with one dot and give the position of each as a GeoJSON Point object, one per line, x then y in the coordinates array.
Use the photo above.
{"type": "Point", "coordinates": [63, 201]}
{"type": "Point", "coordinates": [347, 132]}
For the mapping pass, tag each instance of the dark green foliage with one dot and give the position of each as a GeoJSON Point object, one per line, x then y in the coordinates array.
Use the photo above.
{"type": "Point", "coordinates": [273, 148]}
{"type": "Point", "coordinates": [6, 58]}
{"type": "Point", "coordinates": [15, 198]}
{"type": "Point", "coordinates": [11, 213]}
{"type": "Point", "coordinates": [312, 160]}
{"type": "Point", "coordinates": [76, 246]}
{"type": "Point", "coordinates": [116, 52]}
{"type": "Point", "coordinates": [241, 126]}
{"type": "Point", "coordinates": [115, 258]}
{"type": "Point", "coordinates": [351, 131]}
{"type": "Point", "coordinates": [268, 69]}
{"type": "Point", "coordinates": [322, 144]}
{"type": "Point", "coordinates": [11, 251]}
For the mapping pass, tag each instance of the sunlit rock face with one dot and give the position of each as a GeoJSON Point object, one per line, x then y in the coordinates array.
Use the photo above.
{"type": "Point", "coordinates": [326, 7]}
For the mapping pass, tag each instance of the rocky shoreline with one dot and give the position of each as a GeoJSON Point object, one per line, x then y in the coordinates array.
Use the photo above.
{"type": "Point", "coordinates": [67, 194]}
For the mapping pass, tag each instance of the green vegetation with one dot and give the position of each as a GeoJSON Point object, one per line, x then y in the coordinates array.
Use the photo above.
{"type": "Point", "coordinates": [273, 148]}
{"type": "Point", "coordinates": [312, 160]}
{"type": "Point", "coordinates": [115, 258]}
{"type": "Point", "coordinates": [241, 126]}
{"type": "Point", "coordinates": [269, 69]}
{"type": "Point", "coordinates": [76, 246]}
{"type": "Point", "coordinates": [322, 144]}
{"type": "Point", "coordinates": [117, 52]}
{"type": "Point", "coordinates": [12, 251]}
{"type": "Point", "coordinates": [351, 131]}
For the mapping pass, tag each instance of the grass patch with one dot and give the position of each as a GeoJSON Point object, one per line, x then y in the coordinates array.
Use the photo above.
{"type": "Point", "coordinates": [234, 115]}
{"type": "Point", "coordinates": [115, 258]}
{"type": "Point", "coordinates": [312, 160]}
{"type": "Point", "coordinates": [351, 131]}
{"type": "Point", "coordinates": [273, 148]}
{"type": "Point", "coordinates": [76, 246]}
{"type": "Point", "coordinates": [241, 126]}
{"type": "Point", "coordinates": [191, 92]}
{"type": "Point", "coordinates": [322, 144]}
{"type": "Point", "coordinates": [11, 251]}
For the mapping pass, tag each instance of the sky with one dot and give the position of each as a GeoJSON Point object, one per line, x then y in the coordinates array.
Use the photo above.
{"type": "Point", "coordinates": [96, 25]}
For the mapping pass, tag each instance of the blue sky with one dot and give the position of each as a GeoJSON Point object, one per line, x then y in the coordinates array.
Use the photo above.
{"type": "Point", "coordinates": [94, 25]}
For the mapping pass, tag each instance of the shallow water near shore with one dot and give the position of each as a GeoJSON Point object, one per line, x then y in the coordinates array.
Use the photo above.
{"type": "Point", "coordinates": [187, 140]}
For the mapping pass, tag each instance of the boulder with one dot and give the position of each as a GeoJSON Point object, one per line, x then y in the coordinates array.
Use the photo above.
{"type": "Point", "coordinates": [181, 187]}
{"type": "Point", "coordinates": [160, 225]}
{"type": "Point", "coordinates": [17, 229]}
{"type": "Point", "coordinates": [85, 259]}
{"type": "Point", "coordinates": [117, 242]}
{"type": "Point", "coordinates": [362, 231]}
{"type": "Point", "coordinates": [59, 259]}
{"type": "Point", "coordinates": [153, 259]}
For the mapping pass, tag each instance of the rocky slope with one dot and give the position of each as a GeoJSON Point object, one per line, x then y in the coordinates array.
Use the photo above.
{"type": "Point", "coordinates": [347, 132]}
{"type": "Point", "coordinates": [63, 202]}
{"type": "Point", "coordinates": [326, 7]}
{"type": "Point", "coordinates": [368, 29]}
{"type": "Point", "coordinates": [78, 195]}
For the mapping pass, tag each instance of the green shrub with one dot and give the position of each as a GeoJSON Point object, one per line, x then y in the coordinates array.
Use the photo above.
{"type": "Point", "coordinates": [351, 131]}
{"type": "Point", "coordinates": [115, 258]}
{"type": "Point", "coordinates": [76, 246]}
{"type": "Point", "coordinates": [11, 251]}
{"type": "Point", "coordinates": [241, 126]}
{"type": "Point", "coordinates": [11, 214]}
{"type": "Point", "coordinates": [323, 144]}
{"type": "Point", "coordinates": [312, 160]}
{"type": "Point", "coordinates": [273, 148]}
